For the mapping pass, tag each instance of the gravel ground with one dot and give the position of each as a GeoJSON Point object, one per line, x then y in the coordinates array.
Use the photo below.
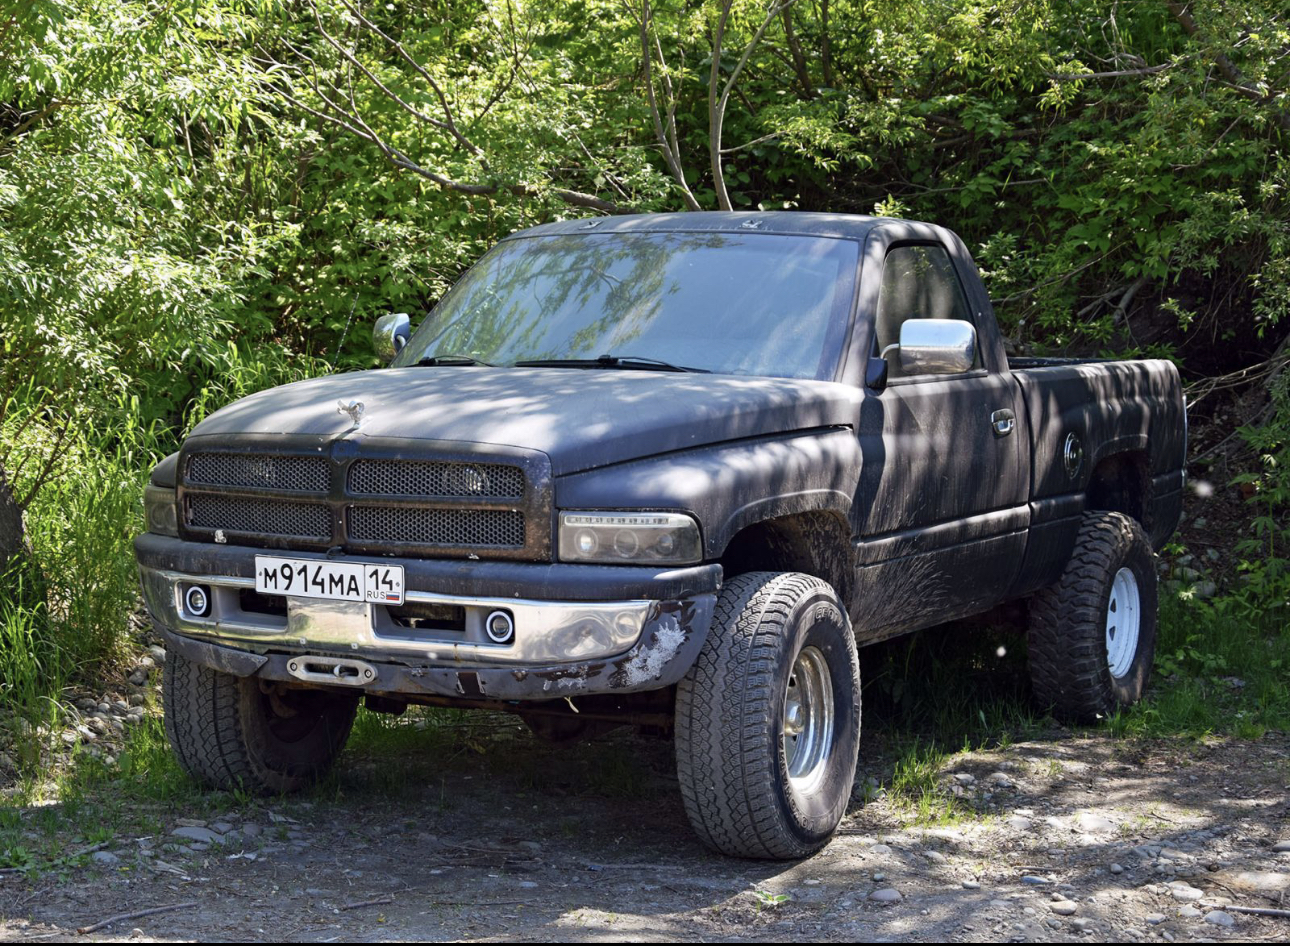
{"type": "Point", "coordinates": [1080, 836]}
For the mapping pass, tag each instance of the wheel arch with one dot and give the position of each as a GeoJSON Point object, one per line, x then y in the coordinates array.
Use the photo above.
{"type": "Point", "coordinates": [816, 542]}
{"type": "Point", "coordinates": [1121, 482]}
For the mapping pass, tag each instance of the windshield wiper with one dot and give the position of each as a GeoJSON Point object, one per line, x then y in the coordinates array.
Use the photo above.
{"type": "Point", "coordinates": [437, 361]}
{"type": "Point", "coordinates": [630, 362]}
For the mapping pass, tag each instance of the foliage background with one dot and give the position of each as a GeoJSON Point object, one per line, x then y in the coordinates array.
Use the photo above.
{"type": "Point", "coordinates": [201, 199]}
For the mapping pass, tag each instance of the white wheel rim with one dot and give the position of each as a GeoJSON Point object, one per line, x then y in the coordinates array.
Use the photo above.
{"type": "Point", "coordinates": [1123, 622]}
{"type": "Point", "coordinates": [807, 727]}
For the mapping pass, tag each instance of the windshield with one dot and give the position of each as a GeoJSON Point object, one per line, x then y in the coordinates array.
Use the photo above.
{"type": "Point", "coordinates": [754, 304]}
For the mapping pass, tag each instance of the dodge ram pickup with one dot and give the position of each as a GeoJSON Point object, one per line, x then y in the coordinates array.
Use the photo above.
{"type": "Point", "coordinates": [667, 471]}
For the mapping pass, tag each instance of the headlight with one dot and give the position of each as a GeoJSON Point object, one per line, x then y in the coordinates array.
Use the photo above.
{"type": "Point", "coordinates": [159, 510]}
{"type": "Point", "coordinates": [635, 538]}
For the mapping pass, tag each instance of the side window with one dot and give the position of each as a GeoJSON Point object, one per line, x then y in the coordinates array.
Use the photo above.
{"type": "Point", "coordinates": [918, 282]}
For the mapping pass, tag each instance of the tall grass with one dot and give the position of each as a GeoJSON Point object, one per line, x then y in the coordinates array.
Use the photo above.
{"type": "Point", "coordinates": [81, 524]}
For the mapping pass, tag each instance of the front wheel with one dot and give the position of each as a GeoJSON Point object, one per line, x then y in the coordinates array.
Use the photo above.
{"type": "Point", "coordinates": [230, 732]}
{"type": "Point", "coordinates": [1092, 635]}
{"type": "Point", "coordinates": [768, 719]}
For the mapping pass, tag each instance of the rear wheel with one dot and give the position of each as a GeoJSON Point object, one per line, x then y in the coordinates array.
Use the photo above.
{"type": "Point", "coordinates": [768, 719]}
{"type": "Point", "coordinates": [231, 732]}
{"type": "Point", "coordinates": [1092, 635]}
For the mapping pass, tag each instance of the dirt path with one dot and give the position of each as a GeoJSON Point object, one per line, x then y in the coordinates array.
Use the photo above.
{"type": "Point", "coordinates": [1080, 837]}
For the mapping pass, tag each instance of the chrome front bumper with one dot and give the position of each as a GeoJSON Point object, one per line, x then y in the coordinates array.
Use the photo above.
{"type": "Point", "coordinates": [560, 647]}
{"type": "Point", "coordinates": [545, 631]}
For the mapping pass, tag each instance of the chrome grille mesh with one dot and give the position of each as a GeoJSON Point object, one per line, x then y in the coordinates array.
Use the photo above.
{"type": "Point", "coordinates": [435, 478]}
{"type": "Point", "coordinates": [297, 474]}
{"type": "Point", "coordinates": [412, 525]}
{"type": "Point", "coordinates": [258, 516]}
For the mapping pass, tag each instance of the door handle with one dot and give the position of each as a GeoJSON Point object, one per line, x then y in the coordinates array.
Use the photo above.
{"type": "Point", "coordinates": [1003, 422]}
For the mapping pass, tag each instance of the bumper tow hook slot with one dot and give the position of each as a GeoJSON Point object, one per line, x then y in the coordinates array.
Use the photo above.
{"type": "Point", "coordinates": [332, 670]}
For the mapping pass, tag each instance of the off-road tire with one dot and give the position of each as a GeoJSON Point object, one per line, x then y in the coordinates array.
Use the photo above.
{"type": "Point", "coordinates": [227, 733]}
{"type": "Point", "coordinates": [1070, 659]}
{"type": "Point", "coordinates": [731, 758]}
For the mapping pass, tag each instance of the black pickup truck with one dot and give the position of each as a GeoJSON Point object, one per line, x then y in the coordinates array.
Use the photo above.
{"type": "Point", "coordinates": [667, 471]}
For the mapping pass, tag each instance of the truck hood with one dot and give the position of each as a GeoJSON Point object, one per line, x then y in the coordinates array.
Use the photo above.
{"type": "Point", "coordinates": [581, 419]}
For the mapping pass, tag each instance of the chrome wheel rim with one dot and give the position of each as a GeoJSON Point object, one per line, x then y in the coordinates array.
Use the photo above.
{"type": "Point", "coordinates": [1123, 622]}
{"type": "Point", "coordinates": [808, 725]}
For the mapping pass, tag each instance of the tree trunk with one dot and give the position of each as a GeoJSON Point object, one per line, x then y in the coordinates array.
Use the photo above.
{"type": "Point", "coordinates": [15, 554]}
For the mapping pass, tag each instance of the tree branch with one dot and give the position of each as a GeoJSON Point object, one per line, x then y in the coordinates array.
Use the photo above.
{"type": "Point", "coordinates": [1225, 65]}
{"type": "Point", "coordinates": [799, 58]}
{"type": "Point", "coordinates": [348, 118]}
{"type": "Point", "coordinates": [717, 105]}
{"type": "Point", "coordinates": [666, 143]}
{"type": "Point", "coordinates": [1115, 74]}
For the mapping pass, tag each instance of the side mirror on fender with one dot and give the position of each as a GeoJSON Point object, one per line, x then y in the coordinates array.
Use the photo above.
{"type": "Point", "coordinates": [390, 334]}
{"type": "Point", "coordinates": [937, 346]}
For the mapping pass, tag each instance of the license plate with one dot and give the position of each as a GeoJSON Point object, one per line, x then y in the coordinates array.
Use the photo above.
{"type": "Point", "coordinates": [337, 581]}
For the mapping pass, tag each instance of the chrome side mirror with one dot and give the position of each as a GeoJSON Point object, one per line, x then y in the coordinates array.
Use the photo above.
{"type": "Point", "coordinates": [937, 346]}
{"type": "Point", "coordinates": [390, 335]}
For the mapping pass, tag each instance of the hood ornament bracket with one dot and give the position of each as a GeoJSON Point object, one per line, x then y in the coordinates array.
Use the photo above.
{"type": "Point", "coordinates": [355, 411]}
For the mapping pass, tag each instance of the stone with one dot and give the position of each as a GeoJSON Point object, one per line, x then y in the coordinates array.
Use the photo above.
{"type": "Point", "coordinates": [138, 678]}
{"type": "Point", "coordinates": [223, 827]}
{"type": "Point", "coordinates": [106, 858]}
{"type": "Point", "coordinates": [879, 849]}
{"type": "Point", "coordinates": [1155, 919]}
{"type": "Point", "coordinates": [136, 699]}
{"type": "Point", "coordinates": [886, 895]}
{"type": "Point", "coordinates": [251, 830]}
{"type": "Point", "coordinates": [1034, 881]}
{"type": "Point", "coordinates": [1281, 847]}
{"type": "Point", "coordinates": [1219, 918]}
{"type": "Point", "coordinates": [1063, 908]}
{"type": "Point", "coordinates": [1185, 892]}
{"type": "Point", "coordinates": [1094, 824]}
{"type": "Point", "coordinates": [96, 724]}
{"type": "Point", "coordinates": [1265, 883]}
{"type": "Point", "coordinates": [1188, 912]}
{"type": "Point", "coordinates": [964, 778]}
{"type": "Point", "coordinates": [1019, 823]}
{"type": "Point", "coordinates": [1117, 869]}
{"type": "Point", "coordinates": [971, 885]}
{"type": "Point", "coordinates": [157, 653]}
{"type": "Point", "coordinates": [147, 663]}
{"type": "Point", "coordinates": [936, 857]}
{"type": "Point", "coordinates": [201, 835]}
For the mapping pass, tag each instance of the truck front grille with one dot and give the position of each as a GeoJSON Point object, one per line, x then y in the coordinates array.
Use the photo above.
{"type": "Point", "coordinates": [288, 497]}
{"type": "Point", "coordinates": [406, 525]}
{"type": "Point", "coordinates": [435, 478]}
{"type": "Point", "coordinates": [257, 470]}
{"type": "Point", "coordinates": [269, 517]}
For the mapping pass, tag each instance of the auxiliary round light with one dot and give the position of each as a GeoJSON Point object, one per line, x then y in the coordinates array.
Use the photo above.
{"type": "Point", "coordinates": [586, 541]}
{"type": "Point", "coordinates": [197, 600]}
{"type": "Point", "coordinates": [500, 627]}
